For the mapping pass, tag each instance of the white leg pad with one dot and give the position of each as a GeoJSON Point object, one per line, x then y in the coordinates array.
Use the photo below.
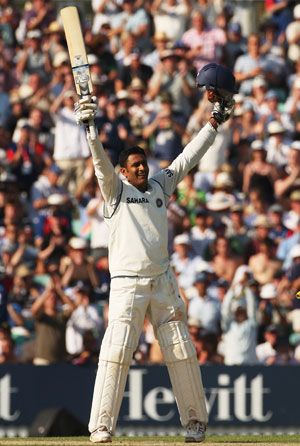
{"type": "Point", "coordinates": [180, 356]}
{"type": "Point", "coordinates": [116, 353]}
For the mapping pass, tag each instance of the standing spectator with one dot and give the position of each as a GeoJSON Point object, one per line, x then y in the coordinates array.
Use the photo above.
{"type": "Point", "coordinates": [50, 324]}
{"type": "Point", "coordinates": [204, 42]}
{"type": "Point", "coordinates": [33, 59]}
{"type": "Point", "coordinates": [71, 153]}
{"type": "Point", "coordinates": [235, 46]}
{"type": "Point", "coordinates": [134, 69]}
{"type": "Point", "coordinates": [250, 65]}
{"type": "Point", "coordinates": [174, 78]}
{"type": "Point", "coordinates": [45, 186]}
{"type": "Point", "coordinates": [278, 230]}
{"type": "Point", "coordinates": [99, 229]}
{"type": "Point", "coordinates": [240, 337]}
{"type": "Point", "coordinates": [277, 144]}
{"type": "Point", "coordinates": [204, 307]}
{"type": "Point", "coordinates": [290, 176]}
{"type": "Point", "coordinates": [264, 264]}
{"type": "Point", "coordinates": [167, 126]}
{"type": "Point", "coordinates": [170, 16]}
{"type": "Point", "coordinates": [77, 265]}
{"type": "Point", "coordinates": [85, 318]}
{"type": "Point", "coordinates": [201, 235]}
{"type": "Point", "coordinates": [224, 263]}
{"type": "Point", "coordinates": [40, 15]}
{"type": "Point", "coordinates": [160, 40]}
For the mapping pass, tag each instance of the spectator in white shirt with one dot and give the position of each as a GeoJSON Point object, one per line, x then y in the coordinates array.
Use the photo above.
{"type": "Point", "coordinates": [266, 351]}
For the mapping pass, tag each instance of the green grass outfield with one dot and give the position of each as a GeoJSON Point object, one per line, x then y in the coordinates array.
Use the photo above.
{"type": "Point", "coordinates": [214, 440]}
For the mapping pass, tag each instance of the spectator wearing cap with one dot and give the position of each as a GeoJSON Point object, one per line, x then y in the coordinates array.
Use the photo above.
{"type": "Point", "coordinates": [33, 58]}
{"type": "Point", "coordinates": [172, 16]}
{"type": "Point", "coordinates": [78, 265]}
{"type": "Point", "coordinates": [201, 235]}
{"type": "Point", "coordinates": [278, 230]}
{"type": "Point", "coordinates": [204, 42]}
{"type": "Point", "coordinates": [277, 144]}
{"type": "Point", "coordinates": [53, 39]}
{"type": "Point", "coordinates": [290, 177]}
{"type": "Point", "coordinates": [269, 109]}
{"type": "Point", "coordinates": [272, 309]}
{"type": "Point", "coordinates": [264, 264]}
{"type": "Point", "coordinates": [250, 65]}
{"type": "Point", "coordinates": [269, 30]}
{"type": "Point", "coordinates": [204, 307]}
{"type": "Point", "coordinates": [72, 153]}
{"type": "Point", "coordinates": [184, 261]}
{"type": "Point", "coordinates": [235, 46]}
{"type": "Point", "coordinates": [160, 42]}
{"type": "Point", "coordinates": [259, 92]}
{"type": "Point", "coordinates": [45, 186]}
{"type": "Point", "coordinates": [174, 78]}
{"type": "Point", "coordinates": [266, 351]}
{"type": "Point", "coordinates": [258, 173]}
{"type": "Point", "coordinates": [167, 127]}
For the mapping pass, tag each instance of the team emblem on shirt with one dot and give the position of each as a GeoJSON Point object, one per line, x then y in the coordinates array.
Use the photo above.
{"type": "Point", "coordinates": [159, 202]}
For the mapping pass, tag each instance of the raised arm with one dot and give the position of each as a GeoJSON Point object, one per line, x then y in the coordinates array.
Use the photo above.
{"type": "Point", "coordinates": [109, 182]}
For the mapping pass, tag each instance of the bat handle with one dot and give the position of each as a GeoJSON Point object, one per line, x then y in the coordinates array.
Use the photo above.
{"type": "Point", "coordinates": [91, 128]}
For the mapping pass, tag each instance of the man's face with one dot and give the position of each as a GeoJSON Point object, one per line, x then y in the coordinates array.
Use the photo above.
{"type": "Point", "coordinates": [136, 171]}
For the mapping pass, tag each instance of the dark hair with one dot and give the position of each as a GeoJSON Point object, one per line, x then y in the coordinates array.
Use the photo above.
{"type": "Point", "coordinates": [130, 151]}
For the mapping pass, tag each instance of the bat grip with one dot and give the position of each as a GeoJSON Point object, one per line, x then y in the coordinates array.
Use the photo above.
{"type": "Point", "coordinates": [91, 128]}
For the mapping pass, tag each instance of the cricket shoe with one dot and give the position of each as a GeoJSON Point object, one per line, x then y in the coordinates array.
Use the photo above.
{"type": "Point", "coordinates": [195, 432]}
{"type": "Point", "coordinates": [101, 435]}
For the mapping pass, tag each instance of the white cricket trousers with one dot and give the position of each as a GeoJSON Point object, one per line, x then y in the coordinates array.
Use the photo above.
{"type": "Point", "coordinates": [131, 298]}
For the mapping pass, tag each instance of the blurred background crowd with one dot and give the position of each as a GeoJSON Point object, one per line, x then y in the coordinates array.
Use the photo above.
{"type": "Point", "coordinates": [234, 221]}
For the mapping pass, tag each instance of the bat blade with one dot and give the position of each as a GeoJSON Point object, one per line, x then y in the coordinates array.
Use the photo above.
{"type": "Point", "coordinates": [77, 51]}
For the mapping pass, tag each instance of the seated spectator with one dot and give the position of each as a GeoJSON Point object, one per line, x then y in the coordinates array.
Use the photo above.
{"type": "Point", "coordinates": [50, 324]}
{"type": "Point", "coordinates": [160, 42]}
{"type": "Point", "coordinates": [7, 350]}
{"type": "Point", "coordinates": [271, 309]}
{"type": "Point", "coordinates": [235, 46]}
{"type": "Point", "coordinates": [201, 235]}
{"type": "Point", "coordinates": [266, 352]}
{"type": "Point", "coordinates": [203, 307]}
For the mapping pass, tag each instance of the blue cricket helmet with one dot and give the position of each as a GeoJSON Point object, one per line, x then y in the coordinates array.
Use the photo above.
{"type": "Point", "coordinates": [214, 76]}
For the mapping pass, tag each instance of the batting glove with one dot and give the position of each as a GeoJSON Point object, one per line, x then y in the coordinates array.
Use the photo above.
{"type": "Point", "coordinates": [85, 110]}
{"type": "Point", "coordinates": [222, 112]}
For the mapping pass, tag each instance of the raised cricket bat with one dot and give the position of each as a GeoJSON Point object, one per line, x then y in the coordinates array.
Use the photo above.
{"type": "Point", "coordinates": [78, 57]}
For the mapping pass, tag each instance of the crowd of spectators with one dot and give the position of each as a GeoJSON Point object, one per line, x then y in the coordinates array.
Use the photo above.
{"type": "Point", "coordinates": [234, 221]}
